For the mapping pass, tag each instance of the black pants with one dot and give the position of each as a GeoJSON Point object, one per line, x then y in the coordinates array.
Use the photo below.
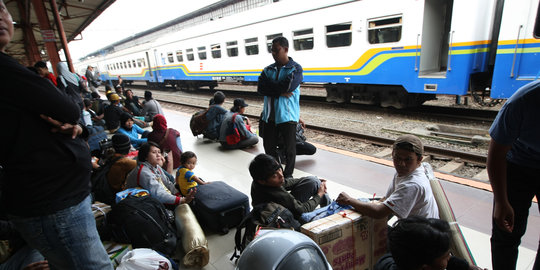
{"type": "Point", "coordinates": [523, 184]}
{"type": "Point", "coordinates": [271, 135]}
{"type": "Point", "coordinates": [305, 148]}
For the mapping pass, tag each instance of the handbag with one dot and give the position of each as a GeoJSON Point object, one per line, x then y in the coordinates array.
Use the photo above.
{"type": "Point", "coordinates": [233, 136]}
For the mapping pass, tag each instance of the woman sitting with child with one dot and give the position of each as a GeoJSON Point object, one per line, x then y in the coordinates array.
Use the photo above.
{"type": "Point", "coordinates": [168, 139]}
{"type": "Point", "coordinates": [128, 128]}
{"type": "Point", "coordinates": [232, 118]}
{"type": "Point", "coordinates": [149, 175]}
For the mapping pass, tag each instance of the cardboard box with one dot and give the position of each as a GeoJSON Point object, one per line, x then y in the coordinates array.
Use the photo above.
{"type": "Point", "coordinates": [348, 239]}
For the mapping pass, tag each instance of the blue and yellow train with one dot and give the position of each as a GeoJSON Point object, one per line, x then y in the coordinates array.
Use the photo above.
{"type": "Point", "coordinates": [396, 53]}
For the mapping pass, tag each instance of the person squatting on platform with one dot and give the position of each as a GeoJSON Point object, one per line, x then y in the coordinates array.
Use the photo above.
{"type": "Point", "coordinates": [299, 195]}
{"type": "Point", "coordinates": [47, 166]}
{"type": "Point", "coordinates": [247, 138]}
{"type": "Point", "coordinates": [409, 193]}
{"type": "Point", "coordinates": [280, 85]}
{"type": "Point", "coordinates": [513, 166]}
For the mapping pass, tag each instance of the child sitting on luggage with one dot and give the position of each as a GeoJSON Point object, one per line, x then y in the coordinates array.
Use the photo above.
{"type": "Point", "coordinates": [185, 178]}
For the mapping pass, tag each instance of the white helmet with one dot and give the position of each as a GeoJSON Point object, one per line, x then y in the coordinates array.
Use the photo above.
{"type": "Point", "coordinates": [282, 250]}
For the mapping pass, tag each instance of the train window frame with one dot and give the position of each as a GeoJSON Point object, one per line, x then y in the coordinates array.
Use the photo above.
{"type": "Point", "coordinates": [179, 56]}
{"type": "Point", "coordinates": [129, 63]}
{"type": "Point", "coordinates": [337, 35]}
{"type": "Point", "coordinates": [215, 50]}
{"type": "Point", "coordinates": [301, 37]}
{"type": "Point", "coordinates": [251, 46]}
{"type": "Point", "coordinates": [170, 57]}
{"type": "Point", "coordinates": [190, 55]}
{"type": "Point", "coordinates": [117, 67]}
{"type": "Point", "coordinates": [391, 26]}
{"type": "Point", "coordinates": [232, 48]}
{"type": "Point", "coordinates": [124, 65]}
{"type": "Point", "coordinates": [139, 62]}
{"type": "Point", "coordinates": [201, 52]}
{"type": "Point", "coordinates": [143, 62]}
{"type": "Point", "coordinates": [269, 39]}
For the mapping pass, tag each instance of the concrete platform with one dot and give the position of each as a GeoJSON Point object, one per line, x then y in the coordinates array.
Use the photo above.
{"type": "Point", "coordinates": [358, 175]}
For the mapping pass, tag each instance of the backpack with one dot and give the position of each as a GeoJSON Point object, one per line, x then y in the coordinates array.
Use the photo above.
{"type": "Point", "coordinates": [270, 215]}
{"type": "Point", "coordinates": [233, 135]}
{"type": "Point", "coordinates": [198, 122]}
{"type": "Point", "coordinates": [143, 222]}
{"type": "Point", "coordinates": [100, 185]}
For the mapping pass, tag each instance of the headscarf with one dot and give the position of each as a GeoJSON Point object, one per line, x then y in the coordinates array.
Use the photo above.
{"type": "Point", "coordinates": [159, 123]}
{"type": "Point", "coordinates": [65, 74]}
{"type": "Point", "coordinates": [159, 130]}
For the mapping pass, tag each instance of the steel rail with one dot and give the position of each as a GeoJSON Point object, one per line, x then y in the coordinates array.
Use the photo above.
{"type": "Point", "coordinates": [430, 150]}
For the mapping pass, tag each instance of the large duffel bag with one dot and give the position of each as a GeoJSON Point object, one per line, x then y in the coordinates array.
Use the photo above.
{"type": "Point", "coordinates": [219, 206]}
{"type": "Point", "coordinates": [143, 222]}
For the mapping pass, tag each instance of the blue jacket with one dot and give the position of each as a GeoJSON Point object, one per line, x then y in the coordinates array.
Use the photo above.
{"type": "Point", "coordinates": [133, 135]}
{"type": "Point", "coordinates": [275, 81]}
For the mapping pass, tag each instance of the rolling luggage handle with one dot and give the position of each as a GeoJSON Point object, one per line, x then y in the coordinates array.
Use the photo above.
{"type": "Point", "coordinates": [225, 229]}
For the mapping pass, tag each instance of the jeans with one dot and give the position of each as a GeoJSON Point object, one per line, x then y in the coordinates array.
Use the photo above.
{"type": "Point", "coordinates": [522, 185]}
{"type": "Point", "coordinates": [308, 187]}
{"type": "Point", "coordinates": [22, 258]}
{"type": "Point", "coordinates": [271, 136]}
{"type": "Point", "coordinates": [68, 239]}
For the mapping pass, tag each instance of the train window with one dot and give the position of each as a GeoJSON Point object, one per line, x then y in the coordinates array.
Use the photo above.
{"type": "Point", "coordinates": [133, 61]}
{"type": "Point", "coordinates": [129, 63]}
{"type": "Point", "coordinates": [216, 50]}
{"type": "Point", "coordinates": [189, 54]}
{"type": "Point", "coordinates": [139, 62]}
{"type": "Point", "coordinates": [338, 35]}
{"type": "Point", "coordinates": [384, 30]}
{"type": "Point", "coordinates": [170, 57]}
{"type": "Point", "coordinates": [303, 39]}
{"type": "Point", "coordinates": [269, 39]}
{"type": "Point", "coordinates": [202, 52]}
{"type": "Point", "coordinates": [179, 56]}
{"type": "Point", "coordinates": [143, 62]}
{"type": "Point", "coordinates": [252, 46]}
{"type": "Point", "coordinates": [232, 48]}
{"type": "Point", "coordinates": [117, 67]}
{"type": "Point", "coordinates": [125, 65]}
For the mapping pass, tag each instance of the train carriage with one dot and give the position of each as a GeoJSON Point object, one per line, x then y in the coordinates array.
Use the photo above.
{"type": "Point", "coordinates": [396, 53]}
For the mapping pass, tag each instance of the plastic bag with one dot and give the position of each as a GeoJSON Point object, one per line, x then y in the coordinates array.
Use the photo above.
{"type": "Point", "coordinates": [137, 192]}
{"type": "Point", "coordinates": [144, 259]}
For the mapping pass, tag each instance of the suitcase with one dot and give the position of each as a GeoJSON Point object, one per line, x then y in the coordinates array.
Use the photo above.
{"type": "Point", "coordinates": [219, 206]}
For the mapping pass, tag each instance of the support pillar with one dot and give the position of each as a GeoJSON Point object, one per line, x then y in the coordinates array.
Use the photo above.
{"type": "Point", "coordinates": [32, 49]}
{"type": "Point", "coordinates": [62, 34]}
{"type": "Point", "coordinates": [45, 26]}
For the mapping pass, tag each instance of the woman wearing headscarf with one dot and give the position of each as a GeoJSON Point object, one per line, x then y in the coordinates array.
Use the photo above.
{"type": "Point", "coordinates": [69, 83]}
{"type": "Point", "coordinates": [168, 139]}
{"type": "Point", "coordinates": [128, 128]}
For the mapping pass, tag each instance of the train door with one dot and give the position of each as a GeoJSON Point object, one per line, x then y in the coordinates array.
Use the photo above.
{"type": "Point", "coordinates": [518, 49]}
{"type": "Point", "coordinates": [436, 37]}
{"type": "Point", "coordinates": [150, 71]}
{"type": "Point", "coordinates": [158, 62]}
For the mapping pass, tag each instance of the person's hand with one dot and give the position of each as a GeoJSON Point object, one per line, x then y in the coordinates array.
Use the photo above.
{"type": "Point", "coordinates": [190, 196]}
{"type": "Point", "coordinates": [170, 158]}
{"type": "Point", "coordinates": [322, 188]}
{"type": "Point", "coordinates": [64, 128]}
{"type": "Point", "coordinates": [343, 199]}
{"type": "Point", "coordinates": [42, 265]}
{"type": "Point", "coordinates": [503, 215]}
{"type": "Point", "coordinates": [302, 123]}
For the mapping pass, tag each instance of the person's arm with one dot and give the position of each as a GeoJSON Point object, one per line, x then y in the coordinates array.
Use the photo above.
{"type": "Point", "coordinates": [371, 209]}
{"type": "Point", "coordinates": [503, 214]}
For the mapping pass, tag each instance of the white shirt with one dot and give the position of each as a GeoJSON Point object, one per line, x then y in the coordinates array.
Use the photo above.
{"type": "Point", "coordinates": [411, 195]}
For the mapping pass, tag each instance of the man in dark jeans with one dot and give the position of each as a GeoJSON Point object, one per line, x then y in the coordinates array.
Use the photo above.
{"type": "Point", "coordinates": [280, 85]}
{"type": "Point", "coordinates": [513, 167]}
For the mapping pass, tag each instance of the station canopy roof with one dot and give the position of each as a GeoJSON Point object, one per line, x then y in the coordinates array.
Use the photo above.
{"type": "Point", "coordinates": [76, 15]}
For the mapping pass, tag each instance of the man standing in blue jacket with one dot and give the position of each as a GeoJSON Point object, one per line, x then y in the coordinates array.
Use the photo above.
{"type": "Point", "coordinates": [280, 85]}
